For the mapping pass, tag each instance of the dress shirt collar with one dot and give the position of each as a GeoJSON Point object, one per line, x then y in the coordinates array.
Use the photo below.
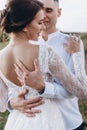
{"type": "Point", "coordinates": [53, 34]}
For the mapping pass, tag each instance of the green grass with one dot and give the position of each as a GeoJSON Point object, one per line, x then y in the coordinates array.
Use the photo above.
{"type": "Point", "coordinates": [3, 118]}
{"type": "Point", "coordinates": [82, 104]}
{"type": "Point", "coordinates": [2, 45]}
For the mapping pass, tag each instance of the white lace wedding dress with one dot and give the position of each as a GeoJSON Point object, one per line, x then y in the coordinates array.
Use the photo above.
{"type": "Point", "coordinates": [51, 66]}
{"type": "Point", "coordinates": [49, 119]}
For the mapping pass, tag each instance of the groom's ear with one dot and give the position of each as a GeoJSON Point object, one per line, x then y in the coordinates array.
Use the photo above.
{"type": "Point", "coordinates": [59, 12]}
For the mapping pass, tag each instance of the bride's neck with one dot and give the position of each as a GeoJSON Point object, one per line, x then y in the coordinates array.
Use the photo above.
{"type": "Point", "coordinates": [18, 38]}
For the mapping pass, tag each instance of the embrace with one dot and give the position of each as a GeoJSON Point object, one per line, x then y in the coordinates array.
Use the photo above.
{"type": "Point", "coordinates": [45, 79]}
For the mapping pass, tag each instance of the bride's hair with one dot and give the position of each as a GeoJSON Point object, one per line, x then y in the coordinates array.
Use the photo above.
{"type": "Point", "coordinates": [19, 13]}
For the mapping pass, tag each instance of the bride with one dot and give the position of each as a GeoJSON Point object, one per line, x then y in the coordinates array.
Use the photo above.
{"type": "Point", "coordinates": [23, 21]}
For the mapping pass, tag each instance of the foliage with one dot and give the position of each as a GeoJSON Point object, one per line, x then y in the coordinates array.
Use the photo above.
{"type": "Point", "coordinates": [3, 37]}
{"type": "Point", "coordinates": [3, 118]}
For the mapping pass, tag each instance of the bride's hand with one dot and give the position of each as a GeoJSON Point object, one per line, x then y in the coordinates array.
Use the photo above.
{"type": "Point", "coordinates": [73, 44]}
{"type": "Point", "coordinates": [33, 79]}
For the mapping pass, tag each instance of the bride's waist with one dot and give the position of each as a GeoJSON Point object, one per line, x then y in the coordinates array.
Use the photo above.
{"type": "Point", "coordinates": [32, 93]}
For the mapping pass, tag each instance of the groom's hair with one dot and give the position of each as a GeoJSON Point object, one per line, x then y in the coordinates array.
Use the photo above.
{"type": "Point", "coordinates": [56, 1]}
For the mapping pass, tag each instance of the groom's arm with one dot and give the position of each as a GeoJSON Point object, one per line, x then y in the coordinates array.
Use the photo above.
{"type": "Point", "coordinates": [55, 90]}
{"type": "Point", "coordinates": [24, 106]}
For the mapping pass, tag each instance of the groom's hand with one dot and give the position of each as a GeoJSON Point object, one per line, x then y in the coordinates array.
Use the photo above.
{"type": "Point", "coordinates": [26, 106]}
{"type": "Point", "coordinates": [33, 79]}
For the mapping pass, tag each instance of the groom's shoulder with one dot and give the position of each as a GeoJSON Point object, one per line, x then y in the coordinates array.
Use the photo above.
{"type": "Point", "coordinates": [64, 35]}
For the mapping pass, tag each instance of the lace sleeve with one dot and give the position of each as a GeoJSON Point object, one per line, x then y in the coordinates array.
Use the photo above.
{"type": "Point", "coordinates": [78, 66]}
{"type": "Point", "coordinates": [74, 84]}
{"type": "Point", "coordinates": [3, 96]}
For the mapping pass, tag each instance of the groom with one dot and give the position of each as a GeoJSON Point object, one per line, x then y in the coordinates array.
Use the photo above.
{"type": "Point", "coordinates": [67, 103]}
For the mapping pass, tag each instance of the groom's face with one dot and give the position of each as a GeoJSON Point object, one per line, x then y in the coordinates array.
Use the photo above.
{"type": "Point", "coordinates": [52, 12]}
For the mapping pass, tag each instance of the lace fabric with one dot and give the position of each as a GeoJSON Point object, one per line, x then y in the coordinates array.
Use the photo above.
{"type": "Point", "coordinates": [3, 95]}
{"type": "Point", "coordinates": [53, 64]}
{"type": "Point", "coordinates": [43, 61]}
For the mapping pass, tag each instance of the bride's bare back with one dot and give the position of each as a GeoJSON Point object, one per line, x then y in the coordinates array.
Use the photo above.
{"type": "Point", "coordinates": [13, 52]}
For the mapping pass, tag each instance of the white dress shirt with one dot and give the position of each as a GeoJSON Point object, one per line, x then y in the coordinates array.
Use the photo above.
{"type": "Point", "coordinates": [67, 103]}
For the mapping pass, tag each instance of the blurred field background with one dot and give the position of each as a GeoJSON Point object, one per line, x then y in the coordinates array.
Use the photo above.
{"type": "Point", "coordinates": [82, 104]}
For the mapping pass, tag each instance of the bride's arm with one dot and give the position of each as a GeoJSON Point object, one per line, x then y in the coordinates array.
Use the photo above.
{"type": "Point", "coordinates": [3, 96]}
{"type": "Point", "coordinates": [75, 84]}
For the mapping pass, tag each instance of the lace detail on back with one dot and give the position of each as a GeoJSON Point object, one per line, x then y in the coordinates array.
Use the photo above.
{"type": "Point", "coordinates": [53, 64]}
{"type": "Point", "coordinates": [15, 89]}
{"type": "Point", "coordinates": [3, 95]}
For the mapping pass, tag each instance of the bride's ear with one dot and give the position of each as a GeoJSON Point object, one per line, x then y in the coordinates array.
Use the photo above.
{"type": "Point", "coordinates": [25, 29]}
